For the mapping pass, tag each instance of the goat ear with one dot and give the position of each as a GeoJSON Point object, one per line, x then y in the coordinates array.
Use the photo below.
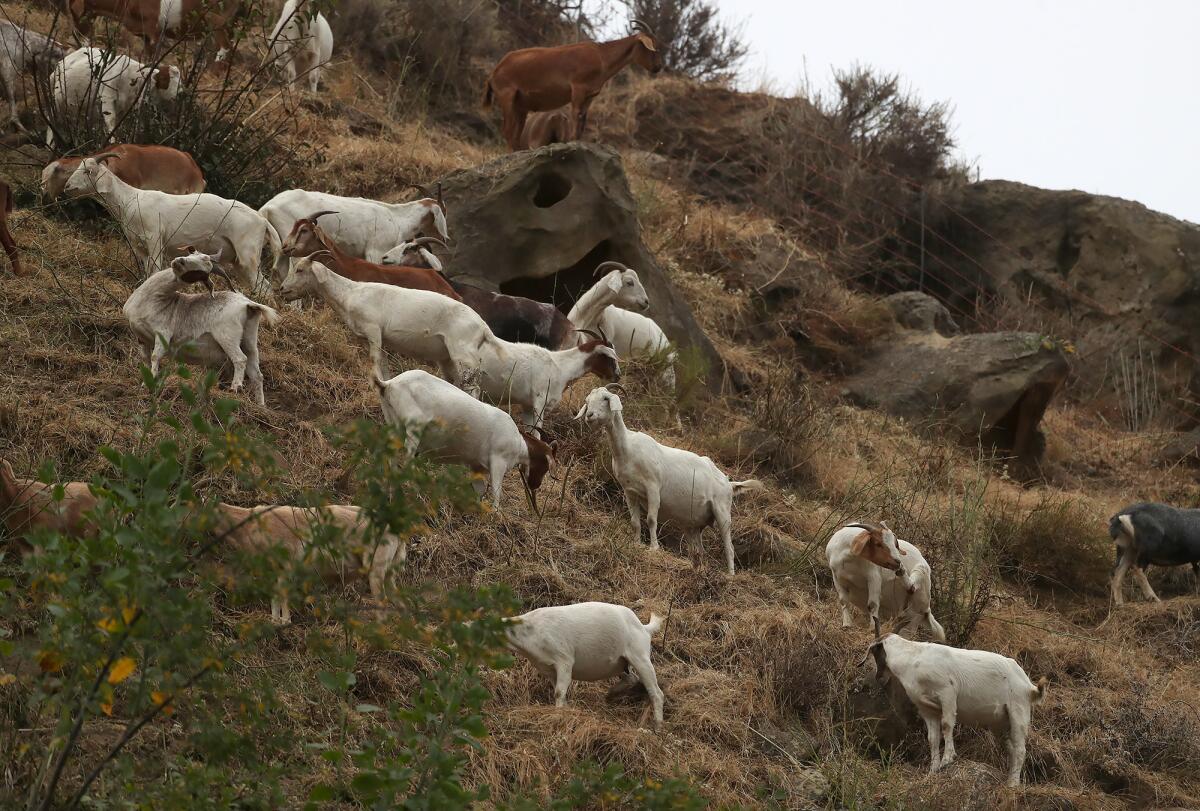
{"type": "Point", "coordinates": [859, 545]}
{"type": "Point", "coordinates": [648, 42]}
{"type": "Point", "coordinates": [614, 282]}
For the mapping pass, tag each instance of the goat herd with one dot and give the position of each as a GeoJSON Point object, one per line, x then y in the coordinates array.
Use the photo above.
{"type": "Point", "coordinates": [373, 264]}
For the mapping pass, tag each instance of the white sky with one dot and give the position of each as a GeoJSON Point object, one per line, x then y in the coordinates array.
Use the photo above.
{"type": "Point", "coordinates": [1097, 95]}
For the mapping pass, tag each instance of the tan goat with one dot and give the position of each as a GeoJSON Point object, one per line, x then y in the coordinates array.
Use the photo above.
{"type": "Point", "coordinates": [27, 505]}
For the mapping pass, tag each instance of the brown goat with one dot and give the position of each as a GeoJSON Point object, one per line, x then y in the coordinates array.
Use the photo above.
{"type": "Point", "coordinates": [307, 238]}
{"type": "Point", "coordinates": [541, 79]}
{"type": "Point", "coordinates": [188, 19]}
{"type": "Point", "coordinates": [543, 129]}
{"type": "Point", "coordinates": [158, 168]}
{"type": "Point", "coordinates": [10, 246]}
{"type": "Point", "coordinates": [27, 505]}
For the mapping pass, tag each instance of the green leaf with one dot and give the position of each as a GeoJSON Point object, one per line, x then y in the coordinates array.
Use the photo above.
{"type": "Point", "coordinates": [321, 793]}
{"type": "Point", "coordinates": [367, 708]}
{"type": "Point", "coordinates": [339, 681]}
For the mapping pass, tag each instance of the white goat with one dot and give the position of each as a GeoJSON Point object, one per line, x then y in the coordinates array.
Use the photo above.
{"type": "Point", "coordinates": [948, 685]}
{"type": "Point", "coordinates": [301, 45]}
{"type": "Point", "coordinates": [533, 378]}
{"type": "Point", "coordinates": [882, 576]}
{"type": "Point", "coordinates": [366, 229]}
{"type": "Point", "coordinates": [265, 527]}
{"type": "Point", "coordinates": [588, 642]}
{"type": "Point", "coordinates": [155, 222]}
{"type": "Point", "coordinates": [118, 82]}
{"type": "Point", "coordinates": [21, 51]}
{"type": "Point", "coordinates": [446, 423]}
{"type": "Point", "coordinates": [414, 254]}
{"type": "Point", "coordinates": [219, 328]}
{"type": "Point", "coordinates": [427, 327]}
{"type": "Point", "coordinates": [631, 334]}
{"type": "Point", "coordinates": [684, 488]}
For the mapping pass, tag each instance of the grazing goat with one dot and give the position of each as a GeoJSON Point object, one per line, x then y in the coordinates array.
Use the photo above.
{"type": "Point", "coordinates": [1150, 534]}
{"type": "Point", "coordinates": [308, 239]}
{"type": "Point", "coordinates": [363, 228]}
{"type": "Point", "coordinates": [948, 685]}
{"type": "Point", "coordinates": [511, 318]}
{"type": "Point", "coordinates": [153, 221]}
{"type": "Point", "coordinates": [268, 527]}
{"type": "Point", "coordinates": [541, 79]}
{"type": "Point", "coordinates": [533, 378]}
{"type": "Point", "coordinates": [882, 576]}
{"type": "Point", "coordinates": [427, 327]}
{"type": "Point", "coordinates": [301, 45]}
{"type": "Point", "coordinates": [588, 642]}
{"type": "Point", "coordinates": [23, 51]}
{"type": "Point", "coordinates": [152, 167]}
{"type": "Point", "coordinates": [6, 239]}
{"type": "Point", "coordinates": [543, 129]}
{"type": "Point", "coordinates": [216, 328]}
{"type": "Point", "coordinates": [27, 505]}
{"type": "Point", "coordinates": [632, 335]}
{"type": "Point", "coordinates": [118, 82]}
{"type": "Point", "coordinates": [153, 20]}
{"type": "Point", "coordinates": [449, 425]}
{"type": "Point", "coordinates": [677, 485]}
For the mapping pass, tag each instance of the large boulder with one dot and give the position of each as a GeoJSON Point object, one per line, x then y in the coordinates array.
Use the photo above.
{"type": "Point", "coordinates": [1124, 279]}
{"type": "Point", "coordinates": [991, 388]}
{"type": "Point", "coordinates": [537, 223]}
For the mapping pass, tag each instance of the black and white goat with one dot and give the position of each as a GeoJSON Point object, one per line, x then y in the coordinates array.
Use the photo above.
{"type": "Point", "coordinates": [1150, 534]}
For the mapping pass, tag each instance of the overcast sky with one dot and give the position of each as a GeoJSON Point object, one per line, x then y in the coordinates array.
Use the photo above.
{"type": "Point", "coordinates": [1098, 95]}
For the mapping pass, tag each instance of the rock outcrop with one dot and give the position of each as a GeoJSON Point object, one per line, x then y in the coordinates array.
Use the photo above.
{"type": "Point", "coordinates": [991, 388]}
{"type": "Point", "coordinates": [1124, 279]}
{"type": "Point", "coordinates": [537, 223]}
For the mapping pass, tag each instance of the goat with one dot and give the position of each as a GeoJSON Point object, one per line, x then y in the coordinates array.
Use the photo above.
{"type": "Point", "coordinates": [448, 424]}
{"type": "Point", "coordinates": [588, 642]}
{"type": "Point", "coordinates": [682, 487]}
{"type": "Point", "coordinates": [153, 20]}
{"type": "Point", "coordinates": [213, 329]}
{"type": "Point", "coordinates": [301, 45]}
{"type": "Point", "coordinates": [427, 327]}
{"type": "Point", "coordinates": [545, 128]}
{"type": "Point", "coordinates": [632, 335]}
{"type": "Point", "coordinates": [6, 239]}
{"type": "Point", "coordinates": [511, 318]}
{"type": "Point", "coordinates": [307, 238]}
{"type": "Point", "coordinates": [540, 79]}
{"type": "Point", "coordinates": [118, 82]}
{"type": "Point", "coordinates": [266, 527]}
{"type": "Point", "coordinates": [533, 378]}
{"type": "Point", "coordinates": [1151, 534]}
{"type": "Point", "coordinates": [23, 51]}
{"type": "Point", "coordinates": [149, 166]}
{"type": "Point", "coordinates": [948, 685]}
{"type": "Point", "coordinates": [27, 505]}
{"type": "Point", "coordinates": [362, 228]}
{"type": "Point", "coordinates": [881, 575]}
{"type": "Point", "coordinates": [153, 220]}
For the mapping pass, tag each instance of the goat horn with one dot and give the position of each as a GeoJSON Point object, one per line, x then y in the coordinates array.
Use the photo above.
{"type": "Point", "coordinates": [220, 271]}
{"type": "Point", "coordinates": [314, 217]}
{"type": "Point", "coordinates": [603, 337]}
{"type": "Point", "coordinates": [613, 386]}
{"type": "Point", "coordinates": [609, 264]}
{"type": "Point", "coordinates": [430, 241]}
{"type": "Point", "coordinates": [635, 24]}
{"type": "Point", "coordinates": [441, 203]}
{"type": "Point", "coordinates": [103, 156]}
{"type": "Point", "coordinates": [420, 188]}
{"type": "Point", "coordinates": [591, 333]}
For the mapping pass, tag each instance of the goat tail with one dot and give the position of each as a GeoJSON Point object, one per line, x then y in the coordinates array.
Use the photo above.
{"type": "Point", "coordinates": [8, 479]}
{"type": "Point", "coordinates": [748, 484]}
{"type": "Point", "coordinates": [489, 95]}
{"type": "Point", "coordinates": [1121, 524]}
{"type": "Point", "coordinates": [1039, 691]}
{"type": "Point", "coordinates": [379, 382]}
{"type": "Point", "coordinates": [275, 243]}
{"type": "Point", "coordinates": [654, 625]}
{"type": "Point", "coordinates": [268, 314]}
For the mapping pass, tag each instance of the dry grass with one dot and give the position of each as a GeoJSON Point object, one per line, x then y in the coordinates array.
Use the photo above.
{"type": "Point", "coordinates": [757, 672]}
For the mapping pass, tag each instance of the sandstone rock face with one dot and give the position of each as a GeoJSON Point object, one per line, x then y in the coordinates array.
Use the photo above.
{"type": "Point", "coordinates": [991, 387]}
{"type": "Point", "coordinates": [537, 223]}
{"type": "Point", "coordinates": [921, 312]}
{"type": "Point", "coordinates": [1113, 269]}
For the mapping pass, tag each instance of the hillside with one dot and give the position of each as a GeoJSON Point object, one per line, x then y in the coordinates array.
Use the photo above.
{"type": "Point", "coordinates": [765, 706]}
